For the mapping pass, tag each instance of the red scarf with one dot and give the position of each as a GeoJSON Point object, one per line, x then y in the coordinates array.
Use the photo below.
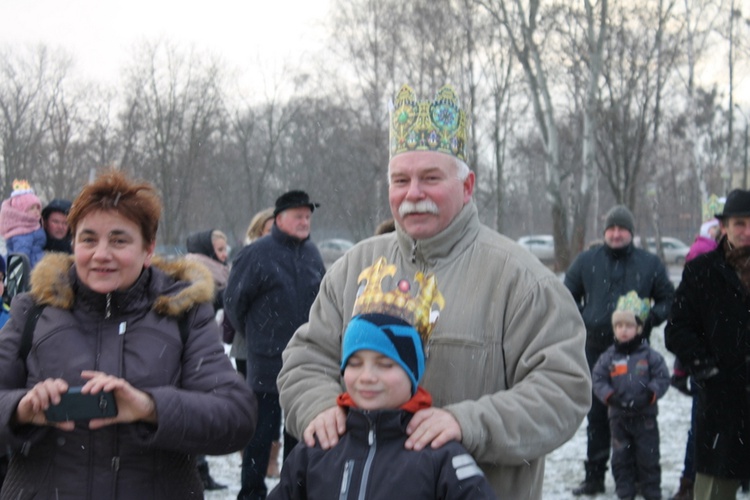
{"type": "Point", "coordinates": [419, 401]}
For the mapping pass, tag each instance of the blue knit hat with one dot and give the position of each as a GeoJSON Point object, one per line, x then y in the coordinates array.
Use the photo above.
{"type": "Point", "coordinates": [390, 336]}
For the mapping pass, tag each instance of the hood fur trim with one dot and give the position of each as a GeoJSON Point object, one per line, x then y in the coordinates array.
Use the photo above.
{"type": "Point", "coordinates": [50, 284]}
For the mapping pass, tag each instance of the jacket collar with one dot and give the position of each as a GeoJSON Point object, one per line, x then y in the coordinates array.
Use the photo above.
{"type": "Point", "coordinates": [117, 303]}
{"type": "Point", "coordinates": [619, 253]}
{"type": "Point", "coordinates": [286, 239]}
{"type": "Point", "coordinates": [171, 288]}
{"type": "Point", "coordinates": [451, 241]}
{"type": "Point", "coordinates": [419, 401]}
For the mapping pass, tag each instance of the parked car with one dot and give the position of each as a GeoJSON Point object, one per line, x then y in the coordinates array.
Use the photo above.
{"type": "Point", "coordinates": [541, 245]}
{"type": "Point", "coordinates": [675, 250]}
{"type": "Point", "coordinates": [332, 249]}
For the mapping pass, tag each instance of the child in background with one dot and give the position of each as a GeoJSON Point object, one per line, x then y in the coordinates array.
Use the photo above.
{"type": "Point", "coordinates": [629, 377]}
{"type": "Point", "coordinates": [382, 363]}
{"type": "Point", "coordinates": [4, 307]}
{"type": "Point", "coordinates": [20, 223]}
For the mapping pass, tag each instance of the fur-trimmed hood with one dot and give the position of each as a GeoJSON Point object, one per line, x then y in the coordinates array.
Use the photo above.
{"type": "Point", "coordinates": [52, 284]}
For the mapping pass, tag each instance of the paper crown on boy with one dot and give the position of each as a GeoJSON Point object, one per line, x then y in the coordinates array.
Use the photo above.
{"type": "Point", "coordinates": [22, 197]}
{"type": "Point", "coordinates": [395, 323]}
{"type": "Point", "coordinates": [712, 206]}
{"type": "Point", "coordinates": [630, 307]}
{"type": "Point", "coordinates": [438, 125]}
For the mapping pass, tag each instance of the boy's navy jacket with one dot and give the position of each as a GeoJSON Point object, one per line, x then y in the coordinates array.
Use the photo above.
{"type": "Point", "coordinates": [370, 462]}
{"type": "Point", "coordinates": [637, 377]}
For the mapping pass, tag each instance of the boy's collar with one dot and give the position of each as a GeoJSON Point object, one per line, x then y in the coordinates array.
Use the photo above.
{"type": "Point", "coordinates": [421, 400]}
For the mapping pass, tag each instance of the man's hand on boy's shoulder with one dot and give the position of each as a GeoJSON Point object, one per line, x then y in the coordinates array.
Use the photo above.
{"type": "Point", "coordinates": [327, 427]}
{"type": "Point", "coordinates": [432, 426]}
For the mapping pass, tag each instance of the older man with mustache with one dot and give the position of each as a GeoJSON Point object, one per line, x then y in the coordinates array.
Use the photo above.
{"type": "Point", "coordinates": [505, 362]}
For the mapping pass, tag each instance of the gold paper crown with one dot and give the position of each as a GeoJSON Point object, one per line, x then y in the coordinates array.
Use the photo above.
{"type": "Point", "coordinates": [417, 310]}
{"type": "Point", "coordinates": [438, 125]}
{"type": "Point", "coordinates": [714, 205]}
{"type": "Point", "coordinates": [631, 302]}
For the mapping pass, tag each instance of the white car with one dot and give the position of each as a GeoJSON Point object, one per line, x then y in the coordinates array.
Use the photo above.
{"type": "Point", "coordinates": [541, 245]}
{"type": "Point", "coordinates": [332, 249]}
{"type": "Point", "coordinates": [675, 250]}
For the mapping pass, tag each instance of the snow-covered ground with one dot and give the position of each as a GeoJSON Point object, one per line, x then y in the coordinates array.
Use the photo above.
{"type": "Point", "coordinates": [564, 466]}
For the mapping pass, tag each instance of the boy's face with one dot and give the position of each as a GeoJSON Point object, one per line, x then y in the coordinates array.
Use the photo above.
{"type": "Point", "coordinates": [626, 330]}
{"type": "Point", "coordinates": [375, 381]}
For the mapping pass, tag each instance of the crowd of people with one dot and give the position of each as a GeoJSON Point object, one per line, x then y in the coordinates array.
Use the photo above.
{"type": "Point", "coordinates": [436, 359]}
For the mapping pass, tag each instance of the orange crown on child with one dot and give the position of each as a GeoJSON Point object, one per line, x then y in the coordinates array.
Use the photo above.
{"type": "Point", "coordinates": [21, 186]}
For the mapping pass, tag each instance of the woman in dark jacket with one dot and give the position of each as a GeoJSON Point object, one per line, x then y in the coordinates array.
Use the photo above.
{"type": "Point", "coordinates": [116, 321]}
{"type": "Point", "coordinates": [210, 249]}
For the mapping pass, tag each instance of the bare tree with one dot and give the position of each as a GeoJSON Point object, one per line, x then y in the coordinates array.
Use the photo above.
{"type": "Point", "coordinates": [595, 28]}
{"type": "Point", "coordinates": [28, 81]}
{"type": "Point", "coordinates": [367, 39]}
{"type": "Point", "coordinates": [521, 26]}
{"type": "Point", "coordinates": [174, 107]}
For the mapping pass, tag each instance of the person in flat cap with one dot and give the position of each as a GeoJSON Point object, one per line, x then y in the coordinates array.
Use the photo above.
{"type": "Point", "coordinates": [55, 224]}
{"type": "Point", "coordinates": [272, 284]}
{"type": "Point", "coordinates": [708, 332]}
{"type": "Point", "coordinates": [596, 279]}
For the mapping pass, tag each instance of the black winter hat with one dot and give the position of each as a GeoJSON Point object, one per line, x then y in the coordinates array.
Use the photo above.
{"type": "Point", "coordinates": [56, 205]}
{"type": "Point", "coordinates": [619, 215]}
{"type": "Point", "coordinates": [737, 205]}
{"type": "Point", "coordinates": [293, 199]}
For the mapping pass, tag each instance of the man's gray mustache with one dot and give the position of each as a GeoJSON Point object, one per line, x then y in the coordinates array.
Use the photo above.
{"type": "Point", "coordinates": [424, 206]}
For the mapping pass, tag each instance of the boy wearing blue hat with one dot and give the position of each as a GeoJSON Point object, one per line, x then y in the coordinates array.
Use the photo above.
{"type": "Point", "coordinates": [382, 362]}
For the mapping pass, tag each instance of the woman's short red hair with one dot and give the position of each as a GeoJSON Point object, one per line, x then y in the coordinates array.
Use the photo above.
{"type": "Point", "coordinates": [113, 191]}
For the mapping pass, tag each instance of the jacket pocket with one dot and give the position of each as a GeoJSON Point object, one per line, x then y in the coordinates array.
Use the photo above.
{"type": "Point", "coordinates": [480, 365]}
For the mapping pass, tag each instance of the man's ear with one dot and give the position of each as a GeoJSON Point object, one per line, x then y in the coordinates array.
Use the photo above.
{"type": "Point", "coordinates": [468, 187]}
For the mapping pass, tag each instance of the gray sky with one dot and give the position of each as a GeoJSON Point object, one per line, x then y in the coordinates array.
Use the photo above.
{"type": "Point", "coordinates": [101, 34]}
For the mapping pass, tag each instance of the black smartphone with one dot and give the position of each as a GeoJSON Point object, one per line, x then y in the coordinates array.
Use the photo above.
{"type": "Point", "coordinates": [76, 406]}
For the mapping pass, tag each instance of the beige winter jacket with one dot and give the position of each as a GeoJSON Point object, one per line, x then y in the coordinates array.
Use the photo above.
{"type": "Point", "coordinates": [506, 357]}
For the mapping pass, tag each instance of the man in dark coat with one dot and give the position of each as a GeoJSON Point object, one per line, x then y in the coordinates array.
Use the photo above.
{"type": "Point", "coordinates": [597, 278]}
{"type": "Point", "coordinates": [271, 287]}
{"type": "Point", "coordinates": [709, 332]}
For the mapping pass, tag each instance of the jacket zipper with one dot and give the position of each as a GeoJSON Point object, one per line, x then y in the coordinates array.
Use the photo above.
{"type": "Point", "coordinates": [108, 308]}
{"type": "Point", "coordinates": [115, 462]}
{"type": "Point", "coordinates": [346, 480]}
{"type": "Point", "coordinates": [368, 462]}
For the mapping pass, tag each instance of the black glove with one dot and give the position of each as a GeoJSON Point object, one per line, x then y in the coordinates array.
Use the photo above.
{"type": "Point", "coordinates": [704, 369]}
{"type": "Point", "coordinates": [617, 402]}
{"type": "Point", "coordinates": [680, 382]}
{"type": "Point", "coordinates": [643, 399]}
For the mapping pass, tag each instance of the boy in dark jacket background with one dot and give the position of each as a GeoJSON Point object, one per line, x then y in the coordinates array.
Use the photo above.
{"type": "Point", "coordinates": [629, 377]}
{"type": "Point", "coordinates": [382, 363]}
